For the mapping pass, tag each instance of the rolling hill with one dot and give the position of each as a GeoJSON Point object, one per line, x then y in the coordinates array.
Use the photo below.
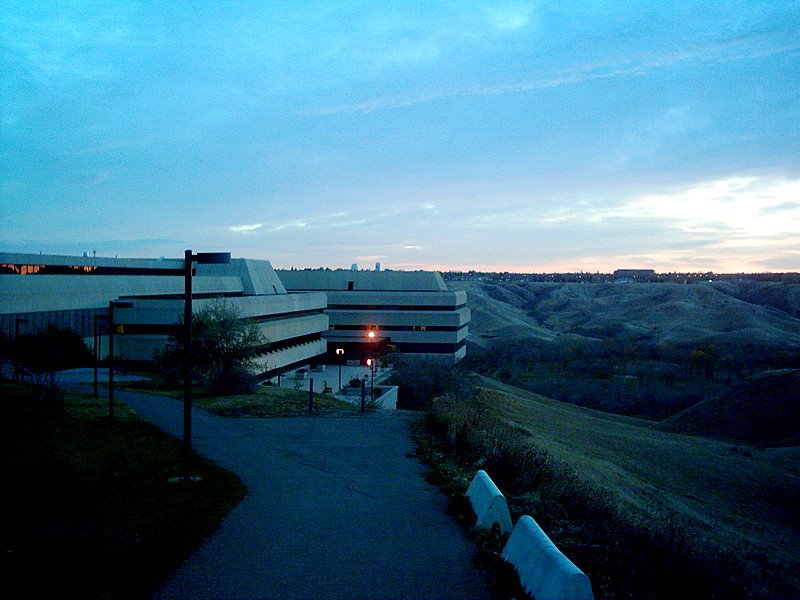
{"type": "Point", "coordinates": [727, 314]}
{"type": "Point", "coordinates": [737, 498]}
{"type": "Point", "coordinates": [763, 409]}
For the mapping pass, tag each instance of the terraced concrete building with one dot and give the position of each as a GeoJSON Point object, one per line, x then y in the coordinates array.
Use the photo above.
{"type": "Point", "coordinates": [410, 312]}
{"type": "Point", "coordinates": [67, 291]}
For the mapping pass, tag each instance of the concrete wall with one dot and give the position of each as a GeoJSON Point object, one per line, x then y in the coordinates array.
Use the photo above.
{"type": "Point", "coordinates": [339, 279]}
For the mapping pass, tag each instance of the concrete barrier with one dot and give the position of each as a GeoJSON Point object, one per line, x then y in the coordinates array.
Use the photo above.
{"type": "Point", "coordinates": [488, 503]}
{"type": "Point", "coordinates": [543, 570]}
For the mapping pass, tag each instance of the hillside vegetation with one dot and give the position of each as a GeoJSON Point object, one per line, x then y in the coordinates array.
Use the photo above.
{"type": "Point", "coordinates": [698, 391]}
{"type": "Point", "coordinates": [752, 313]}
{"type": "Point", "coordinates": [648, 350]}
{"type": "Point", "coordinates": [763, 409]}
{"type": "Point", "coordinates": [738, 500]}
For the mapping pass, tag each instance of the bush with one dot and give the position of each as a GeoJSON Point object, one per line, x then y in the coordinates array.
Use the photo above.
{"type": "Point", "coordinates": [53, 349]}
{"type": "Point", "coordinates": [419, 380]}
{"type": "Point", "coordinates": [232, 382]}
{"type": "Point", "coordinates": [46, 392]}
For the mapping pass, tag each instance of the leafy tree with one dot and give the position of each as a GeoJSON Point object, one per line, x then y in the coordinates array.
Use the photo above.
{"type": "Point", "coordinates": [224, 351]}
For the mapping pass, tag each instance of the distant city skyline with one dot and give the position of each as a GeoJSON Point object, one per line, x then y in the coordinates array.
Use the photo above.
{"type": "Point", "coordinates": [494, 136]}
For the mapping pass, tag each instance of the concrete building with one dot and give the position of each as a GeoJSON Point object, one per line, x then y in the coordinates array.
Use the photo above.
{"type": "Point", "coordinates": [40, 290]}
{"type": "Point", "coordinates": [410, 312]}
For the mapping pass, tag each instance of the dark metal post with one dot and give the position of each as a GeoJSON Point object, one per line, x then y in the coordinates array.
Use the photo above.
{"type": "Point", "coordinates": [17, 322]}
{"type": "Point", "coordinates": [311, 395]}
{"type": "Point", "coordinates": [340, 376]}
{"type": "Point", "coordinates": [187, 365]}
{"type": "Point", "coordinates": [363, 393]}
{"type": "Point", "coordinates": [372, 377]}
{"type": "Point", "coordinates": [97, 349]}
{"type": "Point", "coordinates": [111, 360]}
{"type": "Point", "coordinates": [94, 348]}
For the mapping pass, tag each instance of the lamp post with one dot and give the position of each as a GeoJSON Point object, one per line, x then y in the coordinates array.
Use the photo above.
{"type": "Point", "coordinates": [340, 353]}
{"type": "Point", "coordinates": [17, 322]}
{"type": "Point", "coordinates": [97, 339]}
{"type": "Point", "coordinates": [111, 306]}
{"type": "Point", "coordinates": [371, 362]}
{"type": "Point", "coordinates": [203, 258]}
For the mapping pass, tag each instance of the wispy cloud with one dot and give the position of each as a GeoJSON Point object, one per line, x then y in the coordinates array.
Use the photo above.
{"type": "Point", "coordinates": [245, 228]}
{"type": "Point", "coordinates": [733, 50]}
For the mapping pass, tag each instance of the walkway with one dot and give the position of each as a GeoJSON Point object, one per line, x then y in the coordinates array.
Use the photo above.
{"type": "Point", "coordinates": [335, 510]}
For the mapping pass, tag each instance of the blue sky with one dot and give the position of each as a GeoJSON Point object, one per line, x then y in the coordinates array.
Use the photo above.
{"type": "Point", "coordinates": [528, 136]}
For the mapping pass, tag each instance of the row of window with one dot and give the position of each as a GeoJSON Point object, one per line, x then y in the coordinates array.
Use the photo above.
{"type": "Point", "coordinates": [386, 307]}
{"type": "Point", "coordinates": [394, 328]}
{"type": "Point", "coordinates": [25, 269]}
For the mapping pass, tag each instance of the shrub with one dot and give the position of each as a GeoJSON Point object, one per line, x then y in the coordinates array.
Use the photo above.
{"type": "Point", "coordinates": [53, 349]}
{"type": "Point", "coordinates": [419, 380]}
{"type": "Point", "coordinates": [233, 381]}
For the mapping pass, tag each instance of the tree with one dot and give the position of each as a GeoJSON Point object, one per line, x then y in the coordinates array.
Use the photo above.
{"type": "Point", "coordinates": [224, 350]}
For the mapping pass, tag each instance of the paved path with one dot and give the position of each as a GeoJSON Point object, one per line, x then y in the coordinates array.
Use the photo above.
{"type": "Point", "coordinates": [335, 510]}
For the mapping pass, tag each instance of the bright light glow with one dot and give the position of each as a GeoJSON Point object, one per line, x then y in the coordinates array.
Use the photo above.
{"type": "Point", "coordinates": [371, 335]}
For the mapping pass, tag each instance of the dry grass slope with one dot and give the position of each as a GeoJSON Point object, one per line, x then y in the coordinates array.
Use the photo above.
{"type": "Point", "coordinates": [741, 499]}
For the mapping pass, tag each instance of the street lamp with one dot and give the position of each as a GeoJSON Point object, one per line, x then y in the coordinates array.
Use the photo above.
{"type": "Point", "coordinates": [371, 363]}
{"type": "Point", "coordinates": [18, 321]}
{"type": "Point", "coordinates": [340, 352]}
{"type": "Point", "coordinates": [202, 258]}
{"type": "Point", "coordinates": [111, 306]}
{"type": "Point", "coordinates": [97, 339]}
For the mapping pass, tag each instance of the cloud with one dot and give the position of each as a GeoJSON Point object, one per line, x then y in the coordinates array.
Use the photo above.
{"type": "Point", "coordinates": [245, 228]}
{"type": "Point", "coordinates": [715, 53]}
{"type": "Point", "coordinates": [783, 207]}
{"type": "Point", "coordinates": [509, 18]}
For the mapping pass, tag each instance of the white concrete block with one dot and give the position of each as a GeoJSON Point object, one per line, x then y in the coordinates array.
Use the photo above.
{"type": "Point", "coordinates": [488, 503]}
{"type": "Point", "coordinates": [544, 571]}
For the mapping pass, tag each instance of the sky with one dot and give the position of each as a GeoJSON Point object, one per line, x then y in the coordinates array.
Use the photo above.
{"type": "Point", "coordinates": [519, 136]}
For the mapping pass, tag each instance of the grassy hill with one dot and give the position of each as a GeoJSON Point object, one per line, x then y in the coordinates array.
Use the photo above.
{"type": "Point", "coordinates": [648, 350]}
{"type": "Point", "coordinates": [763, 409]}
{"type": "Point", "coordinates": [727, 314]}
{"type": "Point", "coordinates": [743, 500]}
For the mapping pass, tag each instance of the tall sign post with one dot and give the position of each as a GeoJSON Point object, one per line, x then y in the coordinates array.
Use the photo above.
{"type": "Point", "coordinates": [188, 260]}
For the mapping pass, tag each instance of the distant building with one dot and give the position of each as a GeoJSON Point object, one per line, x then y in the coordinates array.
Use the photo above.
{"type": "Point", "coordinates": [410, 312]}
{"type": "Point", "coordinates": [40, 290]}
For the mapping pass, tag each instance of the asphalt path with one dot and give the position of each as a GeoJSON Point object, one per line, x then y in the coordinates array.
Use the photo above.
{"type": "Point", "coordinates": [337, 508]}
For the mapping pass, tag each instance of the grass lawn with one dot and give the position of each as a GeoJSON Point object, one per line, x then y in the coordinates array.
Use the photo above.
{"type": "Point", "coordinates": [267, 401]}
{"type": "Point", "coordinates": [89, 509]}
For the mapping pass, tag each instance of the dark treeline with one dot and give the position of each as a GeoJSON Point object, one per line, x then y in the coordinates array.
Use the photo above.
{"type": "Point", "coordinates": [646, 380]}
{"type": "Point", "coordinates": [582, 277]}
